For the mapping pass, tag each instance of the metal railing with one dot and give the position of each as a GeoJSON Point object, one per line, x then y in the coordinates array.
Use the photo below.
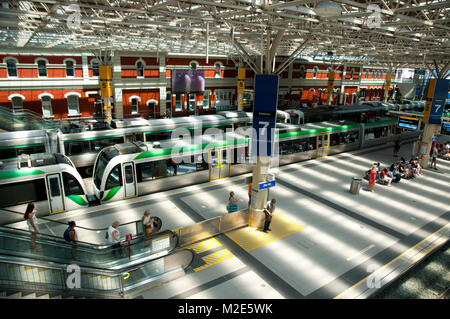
{"type": "Point", "coordinates": [25, 275]}
{"type": "Point", "coordinates": [212, 227]}
{"type": "Point", "coordinates": [56, 228]}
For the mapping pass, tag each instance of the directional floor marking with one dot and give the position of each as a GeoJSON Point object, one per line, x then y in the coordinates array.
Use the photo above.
{"type": "Point", "coordinates": [215, 258]}
{"type": "Point", "coordinates": [250, 238]}
{"type": "Point", "coordinates": [203, 245]}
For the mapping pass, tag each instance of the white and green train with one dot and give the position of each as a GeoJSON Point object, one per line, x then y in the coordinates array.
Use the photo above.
{"type": "Point", "coordinates": [81, 142]}
{"type": "Point", "coordinates": [50, 181]}
{"type": "Point", "coordinates": [134, 169]}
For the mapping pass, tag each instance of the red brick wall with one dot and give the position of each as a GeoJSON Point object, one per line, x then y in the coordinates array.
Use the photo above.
{"type": "Point", "coordinates": [59, 102]}
{"type": "Point", "coordinates": [145, 95]}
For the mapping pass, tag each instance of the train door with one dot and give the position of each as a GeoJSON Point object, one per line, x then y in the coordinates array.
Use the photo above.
{"type": "Point", "coordinates": [55, 195]}
{"type": "Point", "coordinates": [322, 144]}
{"type": "Point", "coordinates": [219, 163]}
{"type": "Point", "coordinates": [130, 186]}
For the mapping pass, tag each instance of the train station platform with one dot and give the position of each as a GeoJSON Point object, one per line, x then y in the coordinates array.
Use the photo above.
{"type": "Point", "coordinates": [325, 242]}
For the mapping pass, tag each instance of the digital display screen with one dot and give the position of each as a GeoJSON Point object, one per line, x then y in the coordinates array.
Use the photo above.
{"type": "Point", "coordinates": [446, 127]}
{"type": "Point", "coordinates": [186, 81]}
{"type": "Point", "coordinates": [408, 123]}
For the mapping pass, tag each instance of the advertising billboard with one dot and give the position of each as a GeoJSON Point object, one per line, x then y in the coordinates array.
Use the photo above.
{"type": "Point", "coordinates": [186, 81]}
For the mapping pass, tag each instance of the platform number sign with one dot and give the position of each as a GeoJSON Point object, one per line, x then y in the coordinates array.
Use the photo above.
{"type": "Point", "coordinates": [264, 114]}
{"type": "Point", "coordinates": [435, 101]}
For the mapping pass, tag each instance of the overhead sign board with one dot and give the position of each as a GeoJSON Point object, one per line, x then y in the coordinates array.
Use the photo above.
{"type": "Point", "coordinates": [409, 123]}
{"type": "Point", "coordinates": [264, 114]}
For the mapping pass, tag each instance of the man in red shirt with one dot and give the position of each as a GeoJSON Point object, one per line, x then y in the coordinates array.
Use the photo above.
{"type": "Point", "coordinates": [372, 178]}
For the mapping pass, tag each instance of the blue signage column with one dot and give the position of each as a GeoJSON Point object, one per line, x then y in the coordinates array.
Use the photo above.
{"type": "Point", "coordinates": [434, 107]}
{"type": "Point", "coordinates": [264, 114]}
{"type": "Point", "coordinates": [264, 121]}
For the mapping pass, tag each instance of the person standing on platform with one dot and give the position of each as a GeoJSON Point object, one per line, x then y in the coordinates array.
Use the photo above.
{"type": "Point", "coordinates": [372, 178]}
{"type": "Point", "coordinates": [269, 210]}
{"type": "Point", "coordinates": [30, 217]}
{"type": "Point", "coordinates": [434, 155]}
{"type": "Point", "coordinates": [396, 148]}
{"type": "Point", "coordinates": [232, 204]}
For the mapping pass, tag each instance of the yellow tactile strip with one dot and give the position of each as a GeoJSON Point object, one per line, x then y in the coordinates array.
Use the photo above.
{"type": "Point", "coordinates": [215, 258]}
{"type": "Point", "coordinates": [250, 238]}
{"type": "Point", "coordinates": [203, 245]}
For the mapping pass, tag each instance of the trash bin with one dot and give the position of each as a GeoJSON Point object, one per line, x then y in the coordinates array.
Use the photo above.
{"type": "Point", "coordinates": [355, 186]}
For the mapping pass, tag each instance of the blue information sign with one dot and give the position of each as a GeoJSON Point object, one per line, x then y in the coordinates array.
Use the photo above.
{"type": "Point", "coordinates": [438, 104]}
{"type": "Point", "coordinates": [266, 185]}
{"type": "Point", "coordinates": [264, 113]}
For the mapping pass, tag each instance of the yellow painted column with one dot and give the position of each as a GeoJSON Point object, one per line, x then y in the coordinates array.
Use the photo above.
{"type": "Point", "coordinates": [106, 91]}
{"type": "Point", "coordinates": [330, 86]}
{"type": "Point", "coordinates": [387, 86]}
{"type": "Point", "coordinates": [240, 88]}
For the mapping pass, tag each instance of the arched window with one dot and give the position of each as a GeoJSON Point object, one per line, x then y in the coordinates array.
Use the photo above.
{"type": "Point", "coordinates": [42, 67]}
{"type": "Point", "coordinates": [16, 100]}
{"type": "Point", "coordinates": [302, 72]}
{"type": "Point", "coordinates": [373, 74]}
{"type": "Point", "coordinates": [367, 74]}
{"type": "Point", "coordinates": [352, 73]}
{"type": "Point", "coordinates": [218, 68]}
{"type": "Point", "coordinates": [95, 67]}
{"type": "Point", "coordinates": [134, 100]}
{"type": "Point", "coordinates": [193, 65]}
{"type": "Point", "coordinates": [11, 66]}
{"type": "Point", "coordinates": [46, 105]}
{"type": "Point", "coordinates": [140, 65]}
{"type": "Point", "coordinates": [73, 103]}
{"type": "Point", "coordinates": [70, 67]}
{"type": "Point", "coordinates": [315, 71]}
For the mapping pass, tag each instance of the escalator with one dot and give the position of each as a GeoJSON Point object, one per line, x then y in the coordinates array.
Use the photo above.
{"type": "Point", "coordinates": [47, 263]}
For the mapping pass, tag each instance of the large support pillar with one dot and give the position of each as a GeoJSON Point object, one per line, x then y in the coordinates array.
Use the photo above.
{"type": "Point", "coordinates": [434, 106]}
{"type": "Point", "coordinates": [330, 86]}
{"type": "Point", "coordinates": [106, 90]}
{"type": "Point", "coordinates": [240, 88]}
{"type": "Point", "coordinates": [163, 85]}
{"type": "Point", "coordinates": [264, 119]}
{"type": "Point", "coordinates": [387, 86]}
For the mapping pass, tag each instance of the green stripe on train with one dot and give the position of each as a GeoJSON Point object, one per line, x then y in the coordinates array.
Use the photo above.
{"type": "Point", "coordinates": [78, 200]}
{"type": "Point", "coordinates": [20, 173]}
{"type": "Point", "coordinates": [317, 131]}
{"type": "Point", "coordinates": [18, 146]}
{"type": "Point", "coordinates": [92, 138]}
{"type": "Point", "coordinates": [187, 149]}
{"type": "Point", "coordinates": [111, 193]}
{"type": "Point", "coordinates": [181, 150]}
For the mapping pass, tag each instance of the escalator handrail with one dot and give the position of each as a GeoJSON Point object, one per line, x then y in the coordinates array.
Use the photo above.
{"type": "Point", "coordinates": [62, 223]}
{"type": "Point", "coordinates": [61, 241]}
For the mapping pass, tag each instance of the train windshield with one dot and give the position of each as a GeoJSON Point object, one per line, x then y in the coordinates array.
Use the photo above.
{"type": "Point", "coordinates": [100, 166]}
{"type": "Point", "coordinates": [62, 159]}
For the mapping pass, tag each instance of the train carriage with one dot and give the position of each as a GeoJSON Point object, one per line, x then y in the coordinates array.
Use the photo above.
{"type": "Point", "coordinates": [48, 180]}
{"type": "Point", "coordinates": [13, 144]}
{"type": "Point", "coordinates": [82, 146]}
{"type": "Point", "coordinates": [134, 169]}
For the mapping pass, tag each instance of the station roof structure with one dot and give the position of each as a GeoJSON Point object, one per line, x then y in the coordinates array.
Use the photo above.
{"type": "Point", "coordinates": [395, 33]}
